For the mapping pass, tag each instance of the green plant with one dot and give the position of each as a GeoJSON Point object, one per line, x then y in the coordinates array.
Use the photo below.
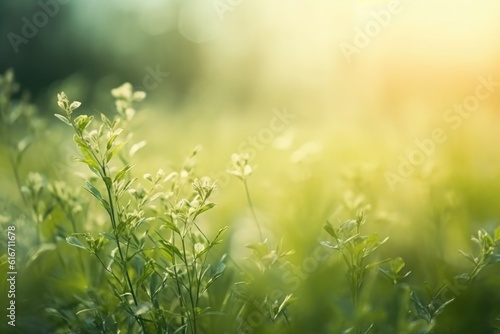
{"type": "Point", "coordinates": [355, 248]}
{"type": "Point", "coordinates": [19, 127]}
{"type": "Point", "coordinates": [154, 253]}
{"type": "Point", "coordinates": [242, 170]}
{"type": "Point", "coordinates": [140, 254]}
{"type": "Point", "coordinates": [436, 301]}
{"type": "Point", "coordinates": [486, 245]}
{"type": "Point", "coordinates": [16, 115]}
{"type": "Point", "coordinates": [269, 304]}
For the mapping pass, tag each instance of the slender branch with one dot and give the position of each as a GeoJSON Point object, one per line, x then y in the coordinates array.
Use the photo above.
{"type": "Point", "coordinates": [190, 291]}
{"type": "Point", "coordinates": [177, 281]}
{"type": "Point", "coordinates": [250, 204]}
{"type": "Point", "coordinates": [112, 214]}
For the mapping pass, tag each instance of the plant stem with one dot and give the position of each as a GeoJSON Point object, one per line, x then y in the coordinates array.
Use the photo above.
{"type": "Point", "coordinates": [112, 215]}
{"type": "Point", "coordinates": [250, 204]}
{"type": "Point", "coordinates": [177, 281]}
{"type": "Point", "coordinates": [189, 286]}
{"type": "Point", "coordinates": [71, 218]}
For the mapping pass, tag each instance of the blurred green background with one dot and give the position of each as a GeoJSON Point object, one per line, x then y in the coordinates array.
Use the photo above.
{"type": "Point", "coordinates": [217, 72]}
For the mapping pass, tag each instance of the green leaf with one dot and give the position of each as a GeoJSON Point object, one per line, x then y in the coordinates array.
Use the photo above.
{"type": "Point", "coordinates": [136, 147]}
{"type": "Point", "coordinates": [378, 264]}
{"type": "Point", "coordinates": [371, 243]}
{"type": "Point", "coordinates": [107, 235]}
{"type": "Point", "coordinates": [154, 285]}
{"type": "Point", "coordinates": [170, 224]}
{"type": "Point", "coordinates": [87, 153]}
{"type": "Point", "coordinates": [199, 248]}
{"type": "Point", "coordinates": [170, 248]}
{"type": "Point", "coordinates": [392, 270]}
{"type": "Point", "coordinates": [106, 120]}
{"type": "Point", "coordinates": [288, 300]}
{"type": "Point", "coordinates": [112, 138]}
{"type": "Point", "coordinates": [329, 228]}
{"type": "Point", "coordinates": [82, 122]}
{"type": "Point", "coordinates": [95, 170]}
{"type": "Point", "coordinates": [80, 141]}
{"type": "Point", "coordinates": [348, 228]}
{"type": "Point", "coordinates": [204, 208]}
{"type": "Point", "coordinates": [72, 240]}
{"type": "Point", "coordinates": [142, 309]}
{"type": "Point", "coordinates": [129, 184]}
{"type": "Point", "coordinates": [63, 119]}
{"type": "Point", "coordinates": [260, 248]}
{"type": "Point", "coordinates": [74, 105]}
{"type": "Point", "coordinates": [497, 234]}
{"type": "Point", "coordinates": [487, 240]}
{"type": "Point", "coordinates": [219, 234]}
{"type": "Point", "coordinates": [107, 180]}
{"type": "Point", "coordinates": [219, 271]}
{"type": "Point", "coordinates": [468, 256]}
{"type": "Point", "coordinates": [93, 190]}
{"type": "Point", "coordinates": [369, 329]}
{"type": "Point", "coordinates": [83, 311]}
{"type": "Point", "coordinates": [91, 164]}
{"type": "Point", "coordinates": [59, 314]}
{"type": "Point", "coordinates": [24, 144]}
{"type": "Point", "coordinates": [330, 245]}
{"type": "Point", "coordinates": [147, 269]}
{"type": "Point", "coordinates": [155, 197]}
{"type": "Point", "coordinates": [202, 249]}
{"type": "Point", "coordinates": [443, 306]}
{"type": "Point", "coordinates": [121, 173]}
{"type": "Point", "coordinates": [113, 152]}
{"type": "Point", "coordinates": [396, 265]}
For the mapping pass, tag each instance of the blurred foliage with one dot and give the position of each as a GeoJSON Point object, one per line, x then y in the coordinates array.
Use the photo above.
{"type": "Point", "coordinates": [316, 137]}
{"type": "Point", "coordinates": [292, 282]}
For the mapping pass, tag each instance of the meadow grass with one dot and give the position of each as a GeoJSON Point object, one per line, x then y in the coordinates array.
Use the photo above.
{"type": "Point", "coordinates": [311, 240]}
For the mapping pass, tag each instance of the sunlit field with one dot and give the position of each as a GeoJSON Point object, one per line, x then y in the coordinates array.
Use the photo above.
{"type": "Point", "coordinates": [222, 166]}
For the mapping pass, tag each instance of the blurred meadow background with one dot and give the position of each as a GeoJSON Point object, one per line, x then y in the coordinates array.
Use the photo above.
{"type": "Point", "coordinates": [386, 106]}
